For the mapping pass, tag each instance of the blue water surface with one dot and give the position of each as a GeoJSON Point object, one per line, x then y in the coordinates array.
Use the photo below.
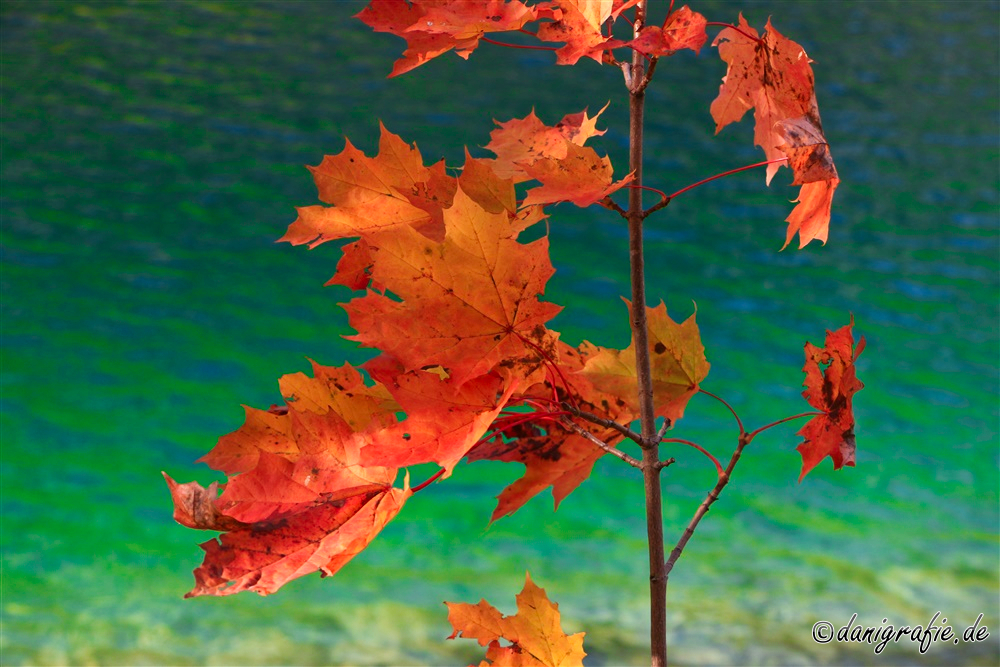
{"type": "Point", "coordinates": [152, 153]}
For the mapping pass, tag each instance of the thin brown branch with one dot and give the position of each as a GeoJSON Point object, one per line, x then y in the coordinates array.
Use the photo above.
{"type": "Point", "coordinates": [627, 73]}
{"type": "Point", "coordinates": [702, 510]}
{"type": "Point", "coordinates": [607, 423]}
{"type": "Point", "coordinates": [603, 445]}
{"type": "Point", "coordinates": [657, 206]}
{"type": "Point", "coordinates": [667, 462]}
{"type": "Point", "coordinates": [664, 427]}
{"type": "Point", "coordinates": [641, 88]}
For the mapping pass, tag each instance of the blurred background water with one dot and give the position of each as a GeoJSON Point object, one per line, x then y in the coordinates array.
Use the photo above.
{"type": "Point", "coordinates": [153, 151]}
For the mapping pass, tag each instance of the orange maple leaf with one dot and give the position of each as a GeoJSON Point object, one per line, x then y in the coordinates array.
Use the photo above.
{"type": "Point", "coordinates": [263, 556]}
{"type": "Point", "coordinates": [770, 75]}
{"type": "Point", "coordinates": [577, 24]}
{"type": "Point", "coordinates": [521, 141]}
{"type": "Point", "coordinates": [443, 421]}
{"type": "Point", "coordinates": [337, 394]}
{"type": "Point", "coordinates": [354, 267]}
{"type": "Point", "coordinates": [374, 194]}
{"type": "Point", "coordinates": [469, 303]}
{"type": "Point", "coordinates": [811, 215]}
{"type": "Point", "coordinates": [432, 28]}
{"type": "Point", "coordinates": [484, 186]}
{"type": "Point", "coordinates": [581, 177]}
{"type": "Point", "coordinates": [831, 390]}
{"type": "Point", "coordinates": [535, 631]}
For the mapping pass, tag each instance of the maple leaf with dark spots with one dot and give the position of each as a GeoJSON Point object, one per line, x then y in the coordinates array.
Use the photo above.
{"type": "Point", "coordinates": [831, 390]}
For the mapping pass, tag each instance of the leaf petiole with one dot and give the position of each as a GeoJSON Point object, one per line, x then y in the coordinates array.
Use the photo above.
{"type": "Point", "coordinates": [730, 25]}
{"type": "Point", "coordinates": [718, 466]}
{"type": "Point", "coordinates": [519, 46]}
{"type": "Point", "coordinates": [432, 478]}
{"type": "Point", "coordinates": [739, 423]}
{"type": "Point", "coordinates": [725, 173]}
{"type": "Point", "coordinates": [750, 436]}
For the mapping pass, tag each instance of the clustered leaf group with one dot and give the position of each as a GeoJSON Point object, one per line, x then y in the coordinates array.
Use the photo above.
{"type": "Point", "coordinates": [467, 366]}
{"type": "Point", "coordinates": [452, 300]}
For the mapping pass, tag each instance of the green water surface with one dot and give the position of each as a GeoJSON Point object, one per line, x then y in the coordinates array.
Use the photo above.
{"type": "Point", "coordinates": [153, 151]}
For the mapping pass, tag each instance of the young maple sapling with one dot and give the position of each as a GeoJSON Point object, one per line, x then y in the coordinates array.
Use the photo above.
{"type": "Point", "coordinates": [467, 365]}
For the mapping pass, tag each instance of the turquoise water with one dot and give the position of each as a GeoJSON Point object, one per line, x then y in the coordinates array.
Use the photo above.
{"type": "Point", "coordinates": [152, 152]}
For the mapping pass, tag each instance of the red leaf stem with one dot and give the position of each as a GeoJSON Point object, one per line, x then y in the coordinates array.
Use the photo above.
{"type": "Point", "coordinates": [519, 46]}
{"type": "Point", "coordinates": [530, 417]}
{"type": "Point", "coordinates": [782, 421]}
{"type": "Point", "coordinates": [726, 173]}
{"type": "Point", "coordinates": [736, 416]}
{"type": "Point", "coordinates": [646, 187]}
{"type": "Point", "coordinates": [718, 466]}
{"type": "Point", "coordinates": [730, 25]}
{"type": "Point", "coordinates": [549, 364]}
{"type": "Point", "coordinates": [428, 482]}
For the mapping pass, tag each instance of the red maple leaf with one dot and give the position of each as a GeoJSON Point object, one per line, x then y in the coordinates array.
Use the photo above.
{"type": "Point", "coordinates": [772, 76]}
{"type": "Point", "coordinates": [682, 29]}
{"type": "Point", "coordinates": [432, 28]}
{"type": "Point", "coordinates": [831, 390]}
{"type": "Point", "coordinates": [444, 420]}
{"type": "Point", "coordinates": [262, 556]}
{"type": "Point", "coordinates": [299, 499]}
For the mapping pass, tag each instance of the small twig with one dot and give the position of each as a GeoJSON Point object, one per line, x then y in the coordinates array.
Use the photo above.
{"type": "Point", "coordinates": [738, 422]}
{"type": "Point", "coordinates": [702, 510]}
{"type": "Point", "coordinates": [656, 207]}
{"type": "Point", "coordinates": [610, 204]}
{"type": "Point", "coordinates": [663, 464]}
{"type": "Point", "coordinates": [667, 423]}
{"type": "Point", "coordinates": [603, 445]}
{"type": "Point", "coordinates": [647, 77]}
{"type": "Point", "coordinates": [607, 423]}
